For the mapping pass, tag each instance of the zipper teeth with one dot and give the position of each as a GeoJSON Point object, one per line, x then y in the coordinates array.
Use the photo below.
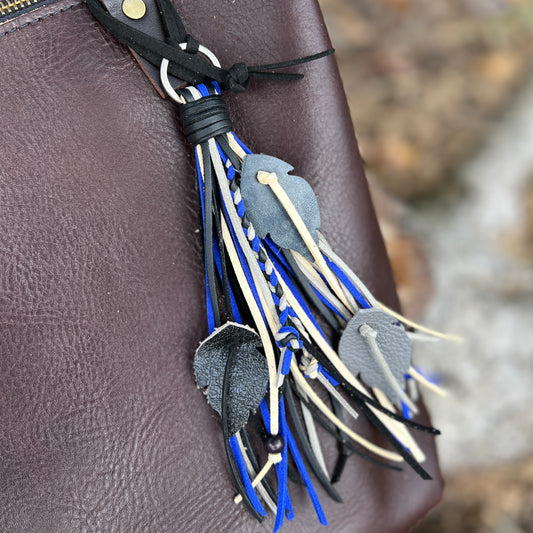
{"type": "Point", "coordinates": [11, 6]}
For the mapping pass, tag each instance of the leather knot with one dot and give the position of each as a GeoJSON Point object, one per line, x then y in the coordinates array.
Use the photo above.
{"type": "Point", "coordinates": [192, 44]}
{"type": "Point", "coordinates": [205, 118]}
{"type": "Point", "coordinates": [238, 78]}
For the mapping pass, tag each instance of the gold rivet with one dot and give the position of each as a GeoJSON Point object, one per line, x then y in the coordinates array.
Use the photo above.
{"type": "Point", "coordinates": [134, 9]}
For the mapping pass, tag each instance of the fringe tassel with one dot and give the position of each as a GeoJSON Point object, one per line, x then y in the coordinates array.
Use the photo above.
{"type": "Point", "coordinates": [267, 296]}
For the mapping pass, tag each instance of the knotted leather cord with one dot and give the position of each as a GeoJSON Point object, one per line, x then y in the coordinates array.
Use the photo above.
{"type": "Point", "coordinates": [205, 118]}
{"type": "Point", "coordinates": [187, 64]}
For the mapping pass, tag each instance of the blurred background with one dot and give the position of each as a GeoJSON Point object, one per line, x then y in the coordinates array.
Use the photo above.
{"type": "Point", "coordinates": [441, 96]}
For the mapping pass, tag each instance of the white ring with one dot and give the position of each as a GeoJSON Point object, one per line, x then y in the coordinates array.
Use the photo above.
{"type": "Point", "coordinates": [163, 71]}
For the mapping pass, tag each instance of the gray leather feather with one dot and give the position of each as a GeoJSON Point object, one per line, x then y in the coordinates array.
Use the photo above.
{"type": "Point", "coordinates": [248, 375]}
{"type": "Point", "coordinates": [355, 352]}
{"type": "Point", "coordinates": [265, 211]}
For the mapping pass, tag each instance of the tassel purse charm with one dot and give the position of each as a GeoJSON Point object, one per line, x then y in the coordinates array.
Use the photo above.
{"type": "Point", "coordinates": [295, 338]}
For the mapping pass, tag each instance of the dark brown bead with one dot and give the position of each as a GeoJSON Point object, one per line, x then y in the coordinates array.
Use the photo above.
{"type": "Point", "coordinates": [274, 444]}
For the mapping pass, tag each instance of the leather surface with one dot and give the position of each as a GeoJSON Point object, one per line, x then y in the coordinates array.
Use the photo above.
{"type": "Point", "coordinates": [151, 25]}
{"type": "Point", "coordinates": [102, 428]}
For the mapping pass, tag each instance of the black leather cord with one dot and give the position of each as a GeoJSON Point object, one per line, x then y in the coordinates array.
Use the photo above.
{"type": "Point", "coordinates": [208, 234]}
{"type": "Point", "coordinates": [205, 118]}
{"type": "Point", "coordinates": [359, 397]}
{"type": "Point", "coordinates": [186, 64]}
{"type": "Point", "coordinates": [306, 446]}
{"type": "Point", "coordinates": [320, 419]}
{"type": "Point", "coordinates": [225, 428]}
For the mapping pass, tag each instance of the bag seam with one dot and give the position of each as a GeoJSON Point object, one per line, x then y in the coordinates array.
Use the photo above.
{"type": "Point", "coordinates": [40, 19]}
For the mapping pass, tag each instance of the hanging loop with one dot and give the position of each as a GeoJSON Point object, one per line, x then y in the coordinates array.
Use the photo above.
{"type": "Point", "coordinates": [163, 71]}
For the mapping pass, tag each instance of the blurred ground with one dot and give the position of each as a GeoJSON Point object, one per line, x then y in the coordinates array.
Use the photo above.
{"type": "Point", "coordinates": [441, 95]}
{"type": "Point", "coordinates": [498, 500]}
{"type": "Point", "coordinates": [437, 71]}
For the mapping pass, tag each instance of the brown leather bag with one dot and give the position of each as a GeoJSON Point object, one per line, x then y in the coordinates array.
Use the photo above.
{"type": "Point", "coordinates": [102, 427]}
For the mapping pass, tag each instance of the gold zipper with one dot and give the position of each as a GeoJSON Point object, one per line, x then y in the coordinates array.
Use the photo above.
{"type": "Point", "coordinates": [9, 8]}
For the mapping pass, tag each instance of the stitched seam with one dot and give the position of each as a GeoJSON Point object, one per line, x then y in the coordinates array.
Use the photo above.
{"type": "Point", "coordinates": [40, 19]}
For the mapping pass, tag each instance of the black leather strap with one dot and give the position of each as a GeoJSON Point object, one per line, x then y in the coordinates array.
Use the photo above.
{"type": "Point", "coordinates": [186, 64]}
